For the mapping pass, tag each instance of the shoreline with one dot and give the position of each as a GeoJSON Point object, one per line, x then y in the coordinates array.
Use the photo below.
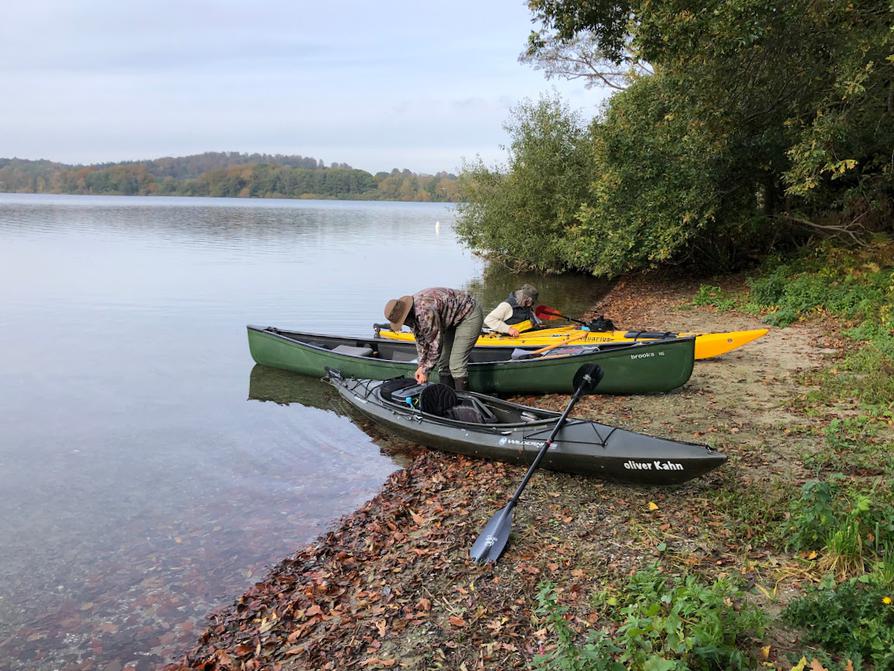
{"type": "Point", "coordinates": [392, 585]}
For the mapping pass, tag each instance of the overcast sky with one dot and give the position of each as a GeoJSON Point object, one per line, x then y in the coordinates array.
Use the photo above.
{"type": "Point", "coordinates": [378, 85]}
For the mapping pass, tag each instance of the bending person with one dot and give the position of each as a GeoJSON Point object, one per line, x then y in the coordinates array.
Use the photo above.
{"type": "Point", "coordinates": [515, 309]}
{"type": "Point", "coordinates": [446, 324]}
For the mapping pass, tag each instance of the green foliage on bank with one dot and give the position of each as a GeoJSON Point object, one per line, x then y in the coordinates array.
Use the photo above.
{"type": "Point", "coordinates": [855, 286]}
{"type": "Point", "coordinates": [659, 624]}
{"type": "Point", "coordinates": [853, 619]}
{"type": "Point", "coordinates": [838, 525]}
{"type": "Point", "coordinates": [743, 127]}
{"type": "Point", "coordinates": [851, 529]}
{"type": "Point", "coordinates": [225, 174]}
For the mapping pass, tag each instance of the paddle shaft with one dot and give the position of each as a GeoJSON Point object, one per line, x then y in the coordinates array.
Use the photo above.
{"type": "Point", "coordinates": [549, 441]}
{"type": "Point", "coordinates": [566, 341]}
{"type": "Point", "coordinates": [493, 538]}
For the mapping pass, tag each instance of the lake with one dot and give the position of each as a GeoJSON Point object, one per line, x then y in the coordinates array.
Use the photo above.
{"type": "Point", "coordinates": [149, 472]}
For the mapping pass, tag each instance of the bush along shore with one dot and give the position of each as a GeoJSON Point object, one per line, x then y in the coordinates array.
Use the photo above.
{"type": "Point", "coordinates": [782, 559]}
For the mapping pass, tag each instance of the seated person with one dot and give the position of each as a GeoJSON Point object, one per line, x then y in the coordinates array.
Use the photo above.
{"type": "Point", "coordinates": [517, 307]}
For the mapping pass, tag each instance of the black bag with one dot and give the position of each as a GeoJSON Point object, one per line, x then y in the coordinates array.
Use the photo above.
{"type": "Point", "coordinates": [601, 324]}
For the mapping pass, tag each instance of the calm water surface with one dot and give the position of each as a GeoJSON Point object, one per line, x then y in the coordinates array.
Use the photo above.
{"type": "Point", "coordinates": [148, 471]}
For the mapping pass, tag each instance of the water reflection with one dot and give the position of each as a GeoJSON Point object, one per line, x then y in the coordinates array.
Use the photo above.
{"type": "Point", "coordinates": [139, 488]}
{"type": "Point", "coordinates": [285, 388]}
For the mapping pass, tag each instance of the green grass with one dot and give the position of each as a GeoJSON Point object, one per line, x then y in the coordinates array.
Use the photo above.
{"type": "Point", "coordinates": [848, 528]}
{"type": "Point", "coordinates": [853, 446]}
{"type": "Point", "coordinates": [715, 297]}
{"type": "Point", "coordinates": [845, 515]}
{"type": "Point", "coordinates": [856, 285]}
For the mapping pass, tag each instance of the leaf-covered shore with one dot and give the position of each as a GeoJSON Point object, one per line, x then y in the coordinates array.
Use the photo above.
{"type": "Point", "coordinates": [744, 551]}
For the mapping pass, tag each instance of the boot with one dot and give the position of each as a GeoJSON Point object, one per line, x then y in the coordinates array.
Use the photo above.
{"type": "Point", "coordinates": [459, 383]}
{"type": "Point", "coordinates": [447, 380]}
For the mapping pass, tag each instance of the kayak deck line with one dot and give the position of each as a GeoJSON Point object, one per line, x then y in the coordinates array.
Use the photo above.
{"type": "Point", "coordinates": [707, 345]}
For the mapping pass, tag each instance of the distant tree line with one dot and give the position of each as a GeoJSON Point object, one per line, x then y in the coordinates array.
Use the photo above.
{"type": "Point", "coordinates": [225, 174]}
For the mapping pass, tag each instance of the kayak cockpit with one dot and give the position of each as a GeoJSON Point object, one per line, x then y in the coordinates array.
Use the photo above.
{"type": "Point", "coordinates": [463, 407]}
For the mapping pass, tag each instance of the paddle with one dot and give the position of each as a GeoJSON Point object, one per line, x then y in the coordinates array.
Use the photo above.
{"type": "Point", "coordinates": [525, 354]}
{"type": "Point", "coordinates": [546, 313]}
{"type": "Point", "coordinates": [493, 539]}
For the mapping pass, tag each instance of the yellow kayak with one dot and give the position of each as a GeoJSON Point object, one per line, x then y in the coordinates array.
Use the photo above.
{"type": "Point", "coordinates": [707, 345]}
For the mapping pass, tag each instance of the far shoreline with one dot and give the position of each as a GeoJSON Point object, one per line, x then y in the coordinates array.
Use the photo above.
{"type": "Point", "coordinates": [308, 198]}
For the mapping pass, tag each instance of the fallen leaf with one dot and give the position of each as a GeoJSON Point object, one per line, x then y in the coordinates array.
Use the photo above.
{"type": "Point", "coordinates": [456, 621]}
{"type": "Point", "coordinates": [653, 506]}
{"type": "Point", "coordinates": [243, 649]}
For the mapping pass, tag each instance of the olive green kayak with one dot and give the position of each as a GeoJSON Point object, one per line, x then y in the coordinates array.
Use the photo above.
{"type": "Point", "coordinates": [655, 366]}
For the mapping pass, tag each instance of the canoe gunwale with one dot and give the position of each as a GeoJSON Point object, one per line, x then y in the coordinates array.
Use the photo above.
{"type": "Point", "coordinates": [502, 428]}
{"type": "Point", "coordinates": [372, 389]}
{"type": "Point", "coordinates": [631, 368]}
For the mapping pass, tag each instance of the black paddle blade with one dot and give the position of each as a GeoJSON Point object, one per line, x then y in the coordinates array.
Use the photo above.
{"type": "Point", "coordinates": [492, 541]}
{"type": "Point", "coordinates": [588, 377]}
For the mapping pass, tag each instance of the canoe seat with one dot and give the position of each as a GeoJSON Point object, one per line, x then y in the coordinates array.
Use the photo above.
{"type": "Point", "coordinates": [353, 351]}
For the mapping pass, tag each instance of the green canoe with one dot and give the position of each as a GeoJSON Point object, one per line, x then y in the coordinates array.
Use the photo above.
{"type": "Point", "coordinates": [654, 366]}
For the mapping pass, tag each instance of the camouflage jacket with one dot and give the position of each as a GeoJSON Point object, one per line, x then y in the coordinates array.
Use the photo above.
{"type": "Point", "coordinates": [436, 310]}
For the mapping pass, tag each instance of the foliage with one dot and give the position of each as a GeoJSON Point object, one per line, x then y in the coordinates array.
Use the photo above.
{"type": "Point", "coordinates": [828, 283]}
{"type": "Point", "coordinates": [813, 516]}
{"type": "Point", "coordinates": [853, 445]}
{"type": "Point", "coordinates": [847, 529]}
{"type": "Point", "coordinates": [226, 174]}
{"type": "Point", "coordinates": [854, 619]}
{"type": "Point", "coordinates": [853, 285]}
{"type": "Point", "coordinates": [817, 660]}
{"type": "Point", "coordinates": [596, 654]}
{"type": "Point", "coordinates": [524, 216]}
{"type": "Point", "coordinates": [714, 296]}
{"type": "Point", "coordinates": [741, 127]}
{"type": "Point", "coordinates": [663, 626]}
{"type": "Point", "coordinates": [653, 198]}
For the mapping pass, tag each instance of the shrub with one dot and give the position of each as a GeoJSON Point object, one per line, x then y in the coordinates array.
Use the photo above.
{"type": "Point", "coordinates": [714, 296]}
{"type": "Point", "coordinates": [847, 530]}
{"type": "Point", "coordinates": [854, 619]}
{"type": "Point", "coordinates": [663, 626]}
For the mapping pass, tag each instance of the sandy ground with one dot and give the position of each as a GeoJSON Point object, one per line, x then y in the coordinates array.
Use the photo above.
{"type": "Point", "coordinates": [392, 585]}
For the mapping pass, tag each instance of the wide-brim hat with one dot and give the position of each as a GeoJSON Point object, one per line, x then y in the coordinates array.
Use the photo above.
{"type": "Point", "coordinates": [396, 311]}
